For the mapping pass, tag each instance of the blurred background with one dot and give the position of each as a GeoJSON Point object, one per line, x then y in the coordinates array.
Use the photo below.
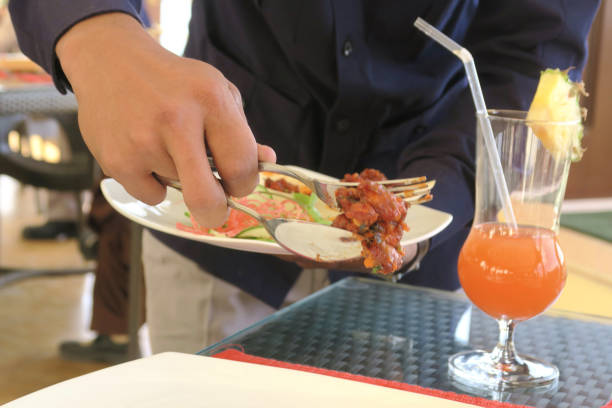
{"type": "Point", "coordinates": [48, 251]}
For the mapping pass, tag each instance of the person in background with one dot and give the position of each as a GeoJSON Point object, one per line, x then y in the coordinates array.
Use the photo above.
{"type": "Point", "coordinates": [334, 86]}
{"type": "Point", "coordinates": [110, 317]}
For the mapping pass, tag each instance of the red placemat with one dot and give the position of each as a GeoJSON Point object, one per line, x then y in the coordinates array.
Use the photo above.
{"type": "Point", "coordinates": [236, 355]}
{"type": "Point", "coordinates": [25, 77]}
{"type": "Point", "coordinates": [33, 78]}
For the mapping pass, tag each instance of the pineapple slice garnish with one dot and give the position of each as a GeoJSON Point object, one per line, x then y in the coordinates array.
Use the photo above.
{"type": "Point", "coordinates": [557, 99]}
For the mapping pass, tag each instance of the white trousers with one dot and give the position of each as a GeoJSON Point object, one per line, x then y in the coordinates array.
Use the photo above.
{"type": "Point", "coordinates": [189, 309]}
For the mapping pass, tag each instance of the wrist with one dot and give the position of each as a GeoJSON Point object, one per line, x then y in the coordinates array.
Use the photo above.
{"type": "Point", "coordinates": [85, 44]}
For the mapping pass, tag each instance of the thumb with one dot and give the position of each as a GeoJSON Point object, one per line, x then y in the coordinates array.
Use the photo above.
{"type": "Point", "coordinates": [266, 153]}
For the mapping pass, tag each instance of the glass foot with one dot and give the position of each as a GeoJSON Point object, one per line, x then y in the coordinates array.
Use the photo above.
{"type": "Point", "coordinates": [477, 369]}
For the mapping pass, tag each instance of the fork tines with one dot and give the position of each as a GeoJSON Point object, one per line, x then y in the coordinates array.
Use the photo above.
{"type": "Point", "coordinates": [408, 190]}
{"type": "Point", "coordinates": [416, 193]}
{"type": "Point", "coordinates": [389, 183]}
{"type": "Point", "coordinates": [418, 199]}
{"type": "Point", "coordinates": [414, 190]}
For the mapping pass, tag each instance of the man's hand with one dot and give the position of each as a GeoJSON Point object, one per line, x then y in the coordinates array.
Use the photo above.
{"type": "Point", "coordinates": [144, 110]}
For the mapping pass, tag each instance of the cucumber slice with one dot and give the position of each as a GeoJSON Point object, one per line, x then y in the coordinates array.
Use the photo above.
{"type": "Point", "coordinates": [254, 232]}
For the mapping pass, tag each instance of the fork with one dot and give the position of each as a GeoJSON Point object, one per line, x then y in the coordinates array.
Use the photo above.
{"type": "Point", "coordinates": [414, 190]}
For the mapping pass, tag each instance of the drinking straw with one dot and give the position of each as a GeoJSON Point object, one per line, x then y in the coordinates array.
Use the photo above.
{"type": "Point", "coordinates": [481, 110]}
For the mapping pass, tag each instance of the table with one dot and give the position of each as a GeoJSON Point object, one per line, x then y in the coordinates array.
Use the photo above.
{"type": "Point", "coordinates": [34, 99]}
{"type": "Point", "coordinates": [403, 333]}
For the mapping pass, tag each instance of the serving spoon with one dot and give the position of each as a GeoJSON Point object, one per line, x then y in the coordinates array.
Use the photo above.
{"type": "Point", "coordinates": [313, 241]}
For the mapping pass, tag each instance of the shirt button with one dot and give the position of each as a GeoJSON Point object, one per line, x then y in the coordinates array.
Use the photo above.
{"type": "Point", "coordinates": [343, 125]}
{"type": "Point", "coordinates": [347, 49]}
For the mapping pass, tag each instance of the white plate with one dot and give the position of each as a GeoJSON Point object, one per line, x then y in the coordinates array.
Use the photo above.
{"type": "Point", "coordinates": [188, 380]}
{"type": "Point", "coordinates": [423, 222]}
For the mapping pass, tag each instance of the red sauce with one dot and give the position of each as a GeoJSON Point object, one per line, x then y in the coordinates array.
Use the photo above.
{"type": "Point", "coordinates": [281, 185]}
{"type": "Point", "coordinates": [376, 216]}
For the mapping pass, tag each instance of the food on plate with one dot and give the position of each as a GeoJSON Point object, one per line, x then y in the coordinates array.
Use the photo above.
{"type": "Point", "coordinates": [241, 225]}
{"type": "Point", "coordinates": [557, 99]}
{"type": "Point", "coordinates": [281, 184]}
{"type": "Point", "coordinates": [373, 214]}
{"type": "Point", "coordinates": [278, 197]}
{"type": "Point", "coordinates": [376, 216]}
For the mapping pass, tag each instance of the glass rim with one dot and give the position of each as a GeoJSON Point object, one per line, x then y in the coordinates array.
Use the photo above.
{"type": "Point", "coordinates": [520, 116]}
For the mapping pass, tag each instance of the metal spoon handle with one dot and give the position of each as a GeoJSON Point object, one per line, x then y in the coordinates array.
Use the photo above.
{"type": "Point", "coordinates": [248, 211]}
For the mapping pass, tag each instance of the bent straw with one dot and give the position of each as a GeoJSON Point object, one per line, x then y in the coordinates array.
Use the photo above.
{"type": "Point", "coordinates": [481, 110]}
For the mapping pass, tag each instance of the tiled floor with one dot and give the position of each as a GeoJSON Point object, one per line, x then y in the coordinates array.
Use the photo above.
{"type": "Point", "coordinates": [37, 314]}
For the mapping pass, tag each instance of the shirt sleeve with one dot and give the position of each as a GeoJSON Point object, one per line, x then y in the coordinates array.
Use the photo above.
{"type": "Point", "coordinates": [39, 24]}
{"type": "Point", "coordinates": [511, 42]}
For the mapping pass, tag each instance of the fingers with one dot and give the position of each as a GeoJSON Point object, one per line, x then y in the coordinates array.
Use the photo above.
{"type": "Point", "coordinates": [410, 252]}
{"type": "Point", "coordinates": [203, 194]}
{"type": "Point", "coordinates": [131, 161]}
{"type": "Point", "coordinates": [236, 155]}
{"type": "Point", "coordinates": [231, 143]}
{"type": "Point", "coordinates": [140, 183]}
{"type": "Point", "coordinates": [144, 187]}
{"type": "Point", "coordinates": [266, 154]}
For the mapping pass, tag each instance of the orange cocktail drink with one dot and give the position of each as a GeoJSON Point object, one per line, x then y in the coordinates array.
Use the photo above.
{"type": "Point", "coordinates": [512, 273]}
{"type": "Point", "coordinates": [511, 265]}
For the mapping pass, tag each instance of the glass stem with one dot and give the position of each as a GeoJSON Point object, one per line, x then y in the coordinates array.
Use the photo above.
{"type": "Point", "coordinates": [504, 355]}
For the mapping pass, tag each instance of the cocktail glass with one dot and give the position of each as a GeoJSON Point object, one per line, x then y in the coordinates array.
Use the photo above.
{"type": "Point", "coordinates": [514, 272]}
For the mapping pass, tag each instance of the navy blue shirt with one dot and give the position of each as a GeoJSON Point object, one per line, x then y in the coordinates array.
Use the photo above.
{"type": "Point", "coordinates": [341, 85]}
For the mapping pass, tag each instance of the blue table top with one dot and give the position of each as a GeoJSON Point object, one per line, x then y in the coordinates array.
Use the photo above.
{"type": "Point", "coordinates": [403, 333]}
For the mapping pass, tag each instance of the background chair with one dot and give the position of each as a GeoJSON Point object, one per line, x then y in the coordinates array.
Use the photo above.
{"type": "Point", "coordinates": [77, 174]}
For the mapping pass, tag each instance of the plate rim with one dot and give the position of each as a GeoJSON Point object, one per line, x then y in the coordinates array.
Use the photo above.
{"type": "Point", "coordinates": [250, 245]}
